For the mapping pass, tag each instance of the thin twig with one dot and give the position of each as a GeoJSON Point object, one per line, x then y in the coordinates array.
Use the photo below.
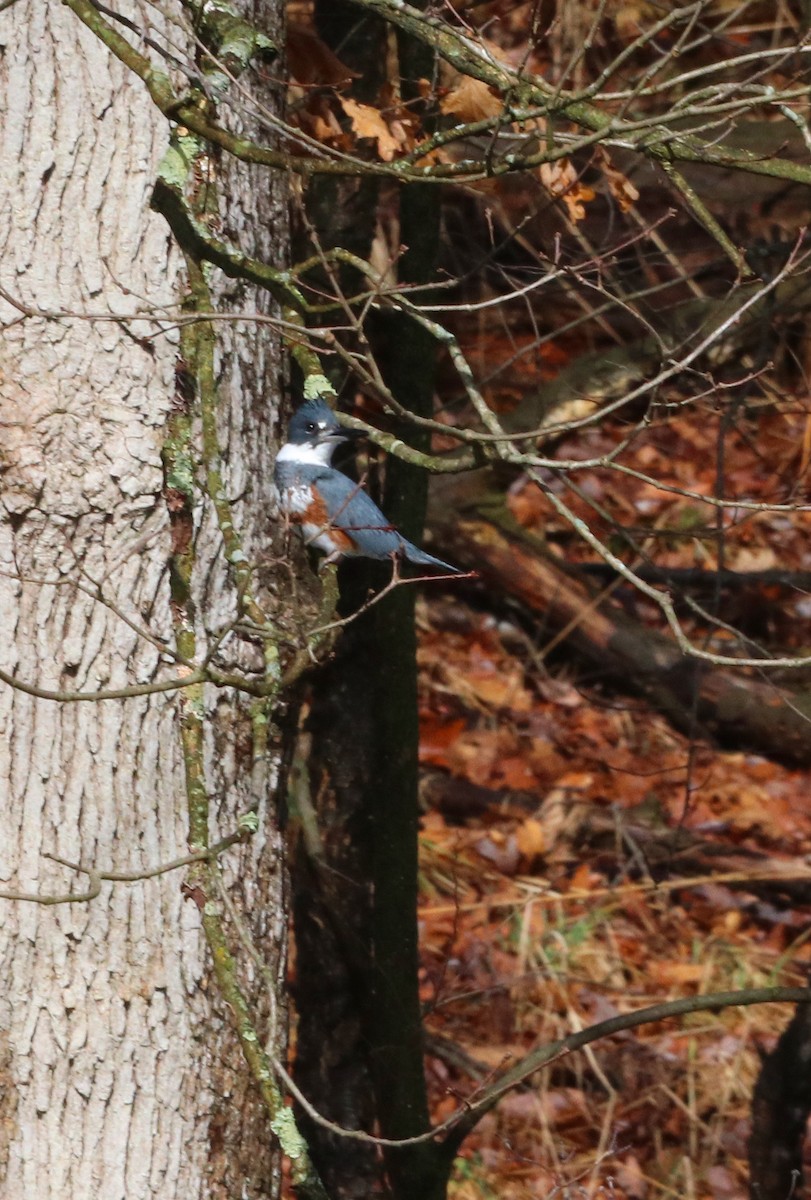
{"type": "Point", "coordinates": [97, 877]}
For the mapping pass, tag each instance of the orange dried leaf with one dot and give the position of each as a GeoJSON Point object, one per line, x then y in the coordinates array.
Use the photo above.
{"type": "Point", "coordinates": [575, 200]}
{"type": "Point", "coordinates": [585, 880]}
{"type": "Point", "coordinates": [528, 506]}
{"type": "Point", "coordinates": [312, 62]}
{"type": "Point", "coordinates": [560, 180]}
{"type": "Point", "coordinates": [317, 118]}
{"type": "Point", "coordinates": [576, 781]}
{"type": "Point", "coordinates": [471, 100]}
{"type": "Point", "coordinates": [514, 773]}
{"type": "Point", "coordinates": [755, 558]}
{"type": "Point", "coordinates": [369, 122]}
{"type": "Point", "coordinates": [491, 684]}
{"type": "Point", "coordinates": [531, 839]}
{"type": "Point", "coordinates": [623, 191]}
{"type": "Point", "coordinates": [669, 973]}
{"type": "Point", "coordinates": [436, 740]}
{"type": "Point", "coordinates": [501, 691]}
{"type": "Point", "coordinates": [475, 755]}
{"type": "Point", "coordinates": [326, 131]}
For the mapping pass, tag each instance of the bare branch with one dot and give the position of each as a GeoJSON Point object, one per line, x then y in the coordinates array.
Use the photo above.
{"type": "Point", "coordinates": [455, 1128]}
{"type": "Point", "coordinates": [96, 877]}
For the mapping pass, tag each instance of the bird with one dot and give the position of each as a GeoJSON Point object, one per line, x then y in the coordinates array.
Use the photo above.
{"type": "Point", "coordinates": [333, 512]}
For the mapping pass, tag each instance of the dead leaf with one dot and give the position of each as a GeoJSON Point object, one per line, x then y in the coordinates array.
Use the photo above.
{"type": "Point", "coordinates": [502, 853]}
{"type": "Point", "coordinates": [585, 880]}
{"type": "Point", "coordinates": [755, 558]}
{"type": "Point", "coordinates": [312, 62]}
{"type": "Point", "coordinates": [669, 973]}
{"type": "Point", "coordinates": [368, 122]}
{"type": "Point", "coordinates": [561, 181]}
{"type": "Point", "coordinates": [513, 773]}
{"type": "Point", "coordinates": [621, 188]}
{"type": "Point", "coordinates": [317, 118]}
{"type": "Point", "coordinates": [725, 1184]}
{"type": "Point", "coordinates": [631, 1178]}
{"type": "Point", "coordinates": [471, 100]}
{"type": "Point", "coordinates": [437, 738]}
{"type": "Point", "coordinates": [491, 684]}
{"type": "Point", "coordinates": [530, 839]}
{"type": "Point", "coordinates": [563, 1106]}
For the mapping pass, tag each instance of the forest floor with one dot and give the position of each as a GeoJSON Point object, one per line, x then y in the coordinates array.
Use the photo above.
{"type": "Point", "coordinates": [581, 858]}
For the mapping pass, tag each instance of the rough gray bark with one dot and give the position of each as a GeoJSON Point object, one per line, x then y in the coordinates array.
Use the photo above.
{"type": "Point", "coordinates": [119, 1072]}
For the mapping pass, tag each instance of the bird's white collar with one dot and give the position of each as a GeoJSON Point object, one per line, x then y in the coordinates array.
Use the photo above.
{"type": "Point", "coordinates": [314, 454]}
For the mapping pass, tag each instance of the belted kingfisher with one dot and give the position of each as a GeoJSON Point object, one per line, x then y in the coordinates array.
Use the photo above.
{"type": "Point", "coordinates": [334, 513]}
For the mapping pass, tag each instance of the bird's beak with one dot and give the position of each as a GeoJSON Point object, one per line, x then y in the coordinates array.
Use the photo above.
{"type": "Point", "coordinates": [345, 434]}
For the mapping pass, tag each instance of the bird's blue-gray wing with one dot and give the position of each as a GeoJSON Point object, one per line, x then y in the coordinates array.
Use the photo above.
{"type": "Point", "coordinates": [354, 512]}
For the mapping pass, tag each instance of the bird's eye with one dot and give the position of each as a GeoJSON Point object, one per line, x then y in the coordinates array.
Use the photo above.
{"type": "Point", "coordinates": [311, 427]}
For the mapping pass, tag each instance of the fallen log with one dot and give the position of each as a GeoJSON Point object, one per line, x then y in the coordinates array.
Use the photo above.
{"type": "Point", "coordinates": [732, 708]}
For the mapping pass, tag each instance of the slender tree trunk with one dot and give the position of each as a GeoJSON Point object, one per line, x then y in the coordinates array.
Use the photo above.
{"type": "Point", "coordinates": [408, 356]}
{"type": "Point", "coordinates": [781, 1104]}
{"type": "Point", "coordinates": [360, 1030]}
{"type": "Point", "coordinates": [120, 1074]}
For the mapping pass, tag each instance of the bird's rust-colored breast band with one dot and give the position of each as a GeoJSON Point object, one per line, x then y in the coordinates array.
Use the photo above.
{"type": "Point", "coordinates": [316, 514]}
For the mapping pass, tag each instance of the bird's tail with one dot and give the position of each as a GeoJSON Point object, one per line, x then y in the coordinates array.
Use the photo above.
{"type": "Point", "coordinates": [421, 558]}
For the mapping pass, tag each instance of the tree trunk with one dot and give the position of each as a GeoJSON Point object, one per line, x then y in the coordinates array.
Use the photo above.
{"type": "Point", "coordinates": [781, 1105]}
{"type": "Point", "coordinates": [360, 1038]}
{"type": "Point", "coordinates": [119, 1070]}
